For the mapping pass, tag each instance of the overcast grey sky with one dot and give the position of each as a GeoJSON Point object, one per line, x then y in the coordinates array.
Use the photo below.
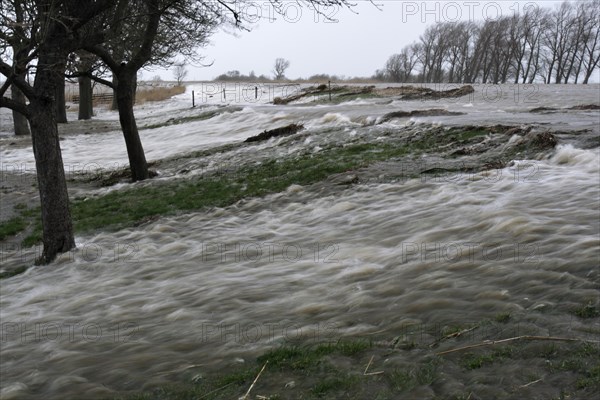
{"type": "Point", "coordinates": [357, 44]}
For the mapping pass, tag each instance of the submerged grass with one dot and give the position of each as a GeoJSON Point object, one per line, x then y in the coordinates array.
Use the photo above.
{"type": "Point", "coordinates": [301, 358]}
{"type": "Point", "coordinates": [587, 311]}
{"type": "Point", "coordinates": [403, 379]}
{"type": "Point", "coordinates": [328, 385]}
{"type": "Point", "coordinates": [584, 361]}
{"type": "Point", "coordinates": [305, 364]}
{"type": "Point", "coordinates": [14, 272]}
{"type": "Point", "coordinates": [475, 361]}
{"type": "Point", "coordinates": [12, 227]}
{"type": "Point", "coordinates": [337, 371]}
{"type": "Point", "coordinates": [472, 133]}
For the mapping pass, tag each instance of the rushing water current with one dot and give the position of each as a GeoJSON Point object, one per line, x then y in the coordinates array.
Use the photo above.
{"type": "Point", "coordinates": [143, 305]}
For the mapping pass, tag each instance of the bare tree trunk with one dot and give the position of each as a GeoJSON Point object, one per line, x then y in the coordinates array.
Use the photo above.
{"type": "Point", "coordinates": [86, 106]}
{"type": "Point", "coordinates": [550, 69]}
{"type": "Point", "coordinates": [135, 151]}
{"type": "Point", "coordinates": [114, 106]}
{"type": "Point", "coordinates": [134, 89]}
{"type": "Point", "coordinates": [588, 75]}
{"type": "Point", "coordinates": [61, 110]}
{"type": "Point", "coordinates": [20, 121]}
{"type": "Point", "coordinates": [529, 65]}
{"type": "Point", "coordinates": [592, 60]}
{"type": "Point", "coordinates": [52, 185]}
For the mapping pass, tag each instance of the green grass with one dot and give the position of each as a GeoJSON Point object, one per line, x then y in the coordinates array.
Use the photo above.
{"type": "Point", "coordinates": [339, 383]}
{"type": "Point", "coordinates": [301, 358]}
{"type": "Point", "coordinates": [502, 317]}
{"type": "Point", "coordinates": [20, 206]}
{"type": "Point", "coordinates": [15, 225]}
{"type": "Point", "coordinates": [239, 377]}
{"type": "Point", "coordinates": [14, 272]}
{"type": "Point", "coordinates": [583, 361]}
{"type": "Point", "coordinates": [403, 379]}
{"type": "Point", "coordinates": [591, 378]}
{"type": "Point", "coordinates": [307, 361]}
{"type": "Point", "coordinates": [587, 311]}
{"type": "Point", "coordinates": [12, 227]}
{"type": "Point", "coordinates": [475, 361]}
{"type": "Point", "coordinates": [470, 134]}
{"type": "Point", "coordinates": [335, 370]}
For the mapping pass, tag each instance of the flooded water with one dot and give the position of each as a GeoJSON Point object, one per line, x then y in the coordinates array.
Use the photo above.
{"type": "Point", "coordinates": [144, 305]}
{"type": "Point", "coordinates": [240, 116]}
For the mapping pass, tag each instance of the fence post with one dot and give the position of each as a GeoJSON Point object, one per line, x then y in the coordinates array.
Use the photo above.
{"type": "Point", "coordinates": [329, 90]}
{"type": "Point", "coordinates": [193, 100]}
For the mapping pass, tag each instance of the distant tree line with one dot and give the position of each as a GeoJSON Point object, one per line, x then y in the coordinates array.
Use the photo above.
{"type": "Point", "coordinates": [281, 65]}
{"type": "Point", "coordinates": [237, 76]}
{"type": "Point", "coordinates": [560, 45]}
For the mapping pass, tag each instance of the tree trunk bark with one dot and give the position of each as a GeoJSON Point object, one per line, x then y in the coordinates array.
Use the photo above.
{"type": "Point", "coordinates": [134, 88]}
{"type": "Point", "coordinates": [20, 121]}
{"type": "Point", "coordinates": [591, 67]}
{"type": "Point", "coordinates": [135, 151]}
{"type": "Point", "coordinates": [588, 75]}
{"type": "Point", "coordinates": [56, 216]}
{"type": "Point", "coordinates": [114, 106]}
{"type": "Point", "coordinates": [61, 110]}
{"type": "Point", "coordinates": [86, 107]}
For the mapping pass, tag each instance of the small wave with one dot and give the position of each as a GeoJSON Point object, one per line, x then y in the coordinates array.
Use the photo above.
{"type": "Point", "coordinates": [569, 155]}
{"type": "Point", "coordinates": [335, 119]}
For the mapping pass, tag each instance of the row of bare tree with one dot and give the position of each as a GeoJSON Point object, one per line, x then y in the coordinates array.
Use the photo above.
{"type": "Point", "coordinates": [560, 45]}
{"type": "Point", "coordinates": [51, 39]}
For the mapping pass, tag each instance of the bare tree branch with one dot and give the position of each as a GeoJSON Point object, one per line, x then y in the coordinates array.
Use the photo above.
{"type": "Point", "coordinates": [6, 102]}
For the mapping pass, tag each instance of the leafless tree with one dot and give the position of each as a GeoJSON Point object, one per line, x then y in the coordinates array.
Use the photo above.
{"type": "Point", "coordinates": [433, 49]}
{"type": "Point", "coordinates": [460, 42]}
{"type": "Point", "coordinates": [584, 49]}
{"type": "Point", "coordinates": [281, 65]}
{"type": "Point", "coordinates": [527, 45]}
{"type": "Point", "coordinates": [557, 45]}
{"type": "Point", "coordinates": [148, 33]}
{"type": "Point", "coordinates": [49, 31]}
{"type": "Point", "coordinates": [590, 56]}
{"type": "Point", "coordinates": [81, 65]}
{"type": "Point", "coordinates": [15, 51]}
{"type": "Point", "coordinates": [399, 67]}
{"type": "Point", "coordinates": [393, 68]}
{"type": "Point", "coordinates": [180, 72]}
{"type": "Point", "coordinates": [153, 32]}
{"type": "Point", "coordinates": [556, 40]}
